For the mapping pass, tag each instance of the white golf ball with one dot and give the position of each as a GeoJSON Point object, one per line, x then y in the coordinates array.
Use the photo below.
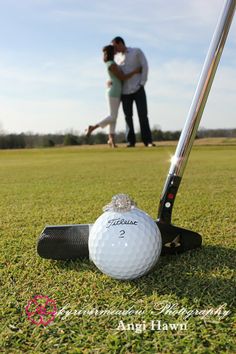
{"type": "Point", "coordinates": [125, 245]}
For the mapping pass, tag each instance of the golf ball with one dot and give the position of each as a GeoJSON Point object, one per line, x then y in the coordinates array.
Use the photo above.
{"type": "Point", "coordinates": [124, 243]}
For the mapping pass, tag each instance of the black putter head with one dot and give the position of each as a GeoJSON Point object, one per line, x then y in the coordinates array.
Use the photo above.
{"type": "Point", "coordinates": [63, 242]}
{"type": "Point", "coordinates": [178, 240]}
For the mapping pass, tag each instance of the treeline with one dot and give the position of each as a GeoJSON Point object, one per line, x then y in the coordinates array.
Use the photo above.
{"type": "Point", "coordinates": [29, 140]}
{"type": "Point", "coordinates": [216, 133]}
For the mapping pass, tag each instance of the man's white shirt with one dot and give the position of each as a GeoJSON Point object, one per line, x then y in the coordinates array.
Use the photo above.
{"type": "Point", "coordinates": [130, 60]}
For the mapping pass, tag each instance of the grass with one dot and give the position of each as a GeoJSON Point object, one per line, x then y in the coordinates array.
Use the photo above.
{"type": "Point", "coordinates": [71, 185]}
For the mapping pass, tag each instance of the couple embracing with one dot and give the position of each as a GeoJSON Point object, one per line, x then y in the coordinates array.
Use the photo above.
{"type": "Point", "coordinates": [127, 77]}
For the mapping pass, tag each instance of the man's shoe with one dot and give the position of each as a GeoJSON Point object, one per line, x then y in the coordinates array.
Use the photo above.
{"type": "Point", "coordinates": [151, 145]}
{"type": "Point", "coordinates": [130, 145]}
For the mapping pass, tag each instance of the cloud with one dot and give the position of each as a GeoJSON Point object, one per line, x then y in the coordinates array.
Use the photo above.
{"type": "Point", "coordinates": [21, 115]}
{"type": "Point", "coordinates": [148, 21]}
{"type": "Point", "coordinates": [51, 70]}
{"type": "Point", "coordinates": [171, 88]}
{"type": "Point", "coordinates": [52, 78]}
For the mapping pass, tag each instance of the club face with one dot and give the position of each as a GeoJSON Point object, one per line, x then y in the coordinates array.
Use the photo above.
{"type": "Point", "coordinates": [62, 242]}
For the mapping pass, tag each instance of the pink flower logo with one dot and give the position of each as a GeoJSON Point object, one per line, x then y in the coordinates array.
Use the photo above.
{"type": "Point", "coordinates": [41, 310]}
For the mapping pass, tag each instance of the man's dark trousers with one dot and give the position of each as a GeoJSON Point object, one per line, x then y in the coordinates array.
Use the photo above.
{"type": "Point", "coordinates": [140, 100]}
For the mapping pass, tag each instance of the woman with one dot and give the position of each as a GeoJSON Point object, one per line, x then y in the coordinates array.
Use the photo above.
{"type": "Point", "coordinates": [114, 93]}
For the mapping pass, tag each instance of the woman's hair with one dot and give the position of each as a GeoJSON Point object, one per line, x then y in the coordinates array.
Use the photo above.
{"type": "Point", "coordinates": [109, 50]}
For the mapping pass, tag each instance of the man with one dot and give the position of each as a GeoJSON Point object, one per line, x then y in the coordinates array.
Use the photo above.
{"type": "Point", "coordinates": [133, 90]}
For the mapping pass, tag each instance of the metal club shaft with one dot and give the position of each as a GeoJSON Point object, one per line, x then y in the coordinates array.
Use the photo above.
{"type": "Point", "coordinates": [179, 160]}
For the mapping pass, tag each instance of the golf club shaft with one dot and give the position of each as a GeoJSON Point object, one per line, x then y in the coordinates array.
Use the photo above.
{"type": "Point", "coordinates": [179, 160]}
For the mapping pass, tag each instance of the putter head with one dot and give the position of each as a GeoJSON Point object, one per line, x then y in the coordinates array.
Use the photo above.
{"type": "Point", "coordinates": [177, 240]}
{"type": "Point", "coordinates": [63, 242]}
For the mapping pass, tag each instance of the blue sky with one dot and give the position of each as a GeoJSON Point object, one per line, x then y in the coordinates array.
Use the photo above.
{"type": "Point", "coordinates": [52, 77]}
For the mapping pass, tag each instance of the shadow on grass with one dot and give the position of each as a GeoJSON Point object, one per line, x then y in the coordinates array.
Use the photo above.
{"type": "Point", "coordinates": [204, 275]}
{"type": "Point", "coordinates": [81, 265]}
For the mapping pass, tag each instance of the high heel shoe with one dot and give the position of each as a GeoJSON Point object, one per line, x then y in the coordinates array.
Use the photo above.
{"type": "Point", "coordinates": [111, 144]}
{"type": "Point", "coordinates": [89, 130]}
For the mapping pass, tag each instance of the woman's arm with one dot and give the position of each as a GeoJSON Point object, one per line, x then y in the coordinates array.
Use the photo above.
{"type": "Point", "coordinates": [119, 73]}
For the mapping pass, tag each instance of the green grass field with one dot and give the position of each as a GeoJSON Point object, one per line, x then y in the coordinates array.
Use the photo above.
{"type": "Point", "coordinates": [71, 185]}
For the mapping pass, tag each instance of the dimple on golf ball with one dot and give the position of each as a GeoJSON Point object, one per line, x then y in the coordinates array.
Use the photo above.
{"type": "Point", "coordinates": [124, 243]}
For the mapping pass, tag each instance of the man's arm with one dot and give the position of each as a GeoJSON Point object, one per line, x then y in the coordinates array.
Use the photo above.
{"type": "Point", "coordinates": [144, 65]}
{"type": "Point", "coordinates": [115, 69]}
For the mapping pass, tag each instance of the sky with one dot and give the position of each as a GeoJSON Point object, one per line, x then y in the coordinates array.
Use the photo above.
{"type": "Point", "coordinates": [53, 79]}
